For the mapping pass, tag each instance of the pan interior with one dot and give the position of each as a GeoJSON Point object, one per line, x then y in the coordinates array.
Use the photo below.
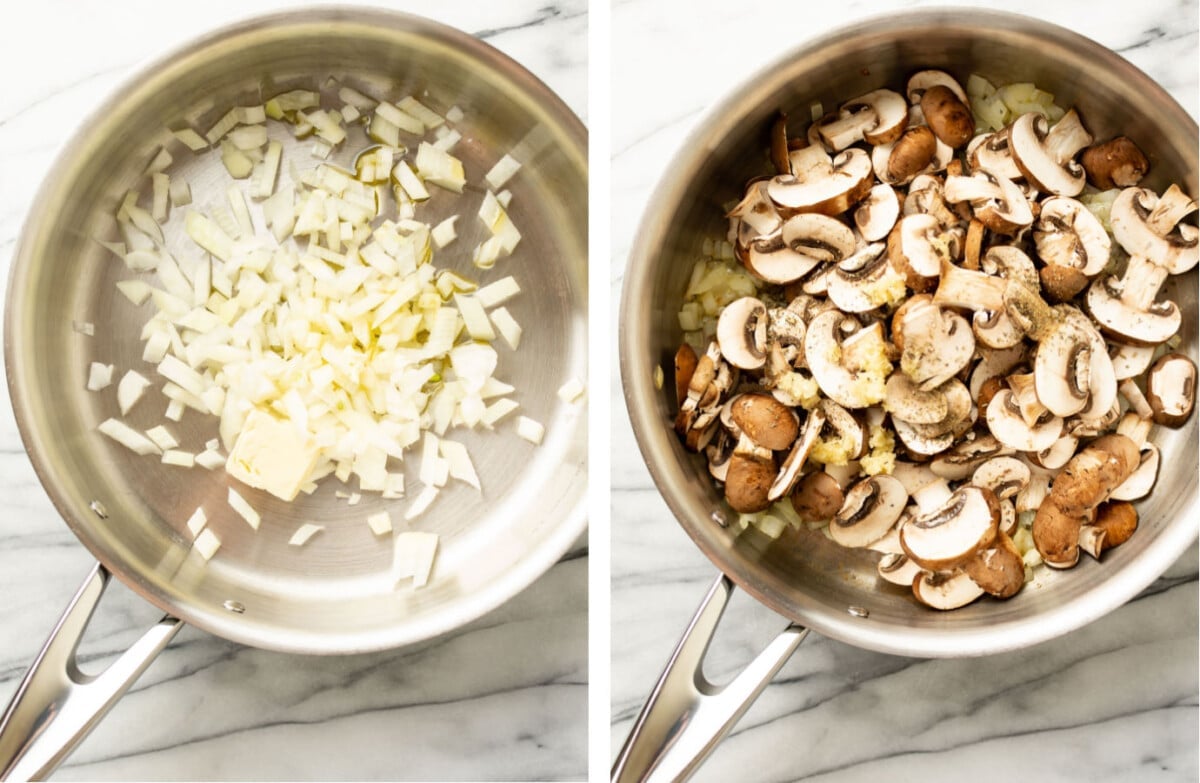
{"type": "Point", "coordinates": [335, 593]}
{"type": "Point", "coordinates": [802, 575]}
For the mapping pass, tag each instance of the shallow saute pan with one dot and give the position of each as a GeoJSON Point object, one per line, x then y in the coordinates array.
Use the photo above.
{"type": "Point", "coordinates": [333, 595]}
{"type": "Point", "coordinates": [802, 576]}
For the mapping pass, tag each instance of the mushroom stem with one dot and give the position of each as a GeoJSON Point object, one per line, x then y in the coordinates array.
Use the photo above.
{"type": "Point", "coordinates": [1135, 427]}
{"type": "Point", "coordinates": [789, 474]}
{"type": "Point", "coordinates": [1173, 205]}
{"type": "Point", "coordinates": [1137, 401]}
{"type": "Point", "coordinates": [966, 288]}
{"type": "Point", "coordinates": [1141, 281]}
{"type": "Point", "coordinates": [1067, 137]}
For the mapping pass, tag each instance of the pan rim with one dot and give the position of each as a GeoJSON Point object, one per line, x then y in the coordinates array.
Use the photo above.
{"type": "Point", "coordinates": [456, 612]}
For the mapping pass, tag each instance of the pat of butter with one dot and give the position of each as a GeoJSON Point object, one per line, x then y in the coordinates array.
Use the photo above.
{"type": "Point", "coordinates": [273, 455]}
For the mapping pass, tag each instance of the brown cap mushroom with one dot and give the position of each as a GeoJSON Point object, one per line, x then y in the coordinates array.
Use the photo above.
{"type": "Point", "coordinates": [870, 509]}
{"type": "Point", "coordinates": [998, 569]}
{"type": "Point", "coordinates": [921, 81]}
{"type": "Point", "coordinates": [990, 151]}
{"type": "Point", "coordinates": [1006, 423]}
{"type": "Point", "coordinates": [847, 361]}
{"type": "Point", "coordinates": [1056, 533]}
{"type": "Point", "coordinates": [685, 365]}
{"type": "Point", "coordinates": [747, 480]}
{"type": "Point", "coordinates": [818, 496]}
{"type": "Point", "coordinates": [1046, 155]}
{"type": "Point", "coordinates": [951, 534]}
{"type": "Point", "coordinates": [1171, 389]}
{"type": "Point", "coordinates": [765, 420]}
{"type": "Point", "coordinates": [1141, 481]}
{"type": "Point", "coordinates": [948, 116]}
{"type": "Point", "coordinates": [900, 162]}
{"type": "Point", "coordinates": [1115, 523]}
{"type": "Point", "coordinates": [1117, 163]}
{"type": "Point", "coordinates": [1148, 225]}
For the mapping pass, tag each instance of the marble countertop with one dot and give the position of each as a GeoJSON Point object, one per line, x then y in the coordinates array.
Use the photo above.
{"type": "Point", "coordinates": [502, 698]}
{"type": "Point", "coordinates": [1113, 701]}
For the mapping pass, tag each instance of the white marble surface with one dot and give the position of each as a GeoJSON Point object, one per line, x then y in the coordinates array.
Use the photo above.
{"type": "Point", "coordinates": [1115, 701]}
{"type": "Point", "coordinates": [503, 698]}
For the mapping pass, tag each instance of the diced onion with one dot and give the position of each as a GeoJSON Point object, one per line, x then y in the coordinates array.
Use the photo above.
{"type": "Point", "coordinates": [380, 523]}
{"type": "Point", "coordinates": [183, 459]}
{"type": "Point", "coordinates": [243, 509]}
{"type": "Point", "coordinates": [162, 437]}
{"type": "Point", "coordinates": [197, 521]}
{"type": "Point", "coordinates": [571, 391]}
{"type": "Point", "coordinates": [530, 430]}
{"type": "Point", "coordinates": [502, 172]}
{"type": "Point", "coordinates": [128, 437]}
{"type": "Point", "coordinates": [415, 551]}
{"type": "Point", "coordinates": [304, 533]}
{"type": "Point", "coordinates": [207, 543]}
{"type": "Point", "coordinates": [99, 376]}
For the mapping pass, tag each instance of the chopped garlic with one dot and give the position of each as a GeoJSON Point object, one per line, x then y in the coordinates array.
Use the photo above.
{"type": "Point", "coordinates": [99, 376]}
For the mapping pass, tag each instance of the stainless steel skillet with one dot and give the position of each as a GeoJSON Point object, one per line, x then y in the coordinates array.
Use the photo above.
{"type": "Point", "coordinates": [333, 595]}
{"type": "Point", "coordinates": [810, 582]}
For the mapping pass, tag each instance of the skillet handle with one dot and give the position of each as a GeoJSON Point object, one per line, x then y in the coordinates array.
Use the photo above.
{"type": "Point", "coordinates": [686, 715]}
{"type": "Point", "coordinates": [57, 705]}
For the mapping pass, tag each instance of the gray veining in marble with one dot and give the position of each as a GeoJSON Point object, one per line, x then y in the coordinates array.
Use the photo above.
{"type": "Point", "coordinates": [503, 698]}
{"type": "Point", "coordinates": [1114, 701]}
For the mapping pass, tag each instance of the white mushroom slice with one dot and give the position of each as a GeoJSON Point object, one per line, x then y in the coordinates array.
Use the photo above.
{"type": "Point", "coordinates": [922, 443]}
{"type": "Point", "coordinates": [756, 214]}
{"type": "Point", "coordinates": [927, 197]}
{"type": "Point", "coordinates": [990, 151]}
{"type": "Point", "coordinates": [871, 507]}
{"type": "Point", "coordinates": [845, 127]}
{"type": "Point", "coordinates": [820, 184]}
{"type": "Point", "coordinates": [865, 281]}
{"type": "Point", "coordinates": [921, 81]}
{"type": "Point", "coordinates": [1046, 155]}
{"type": "Point", "coordinates": [1026, 398]}
{"type": "Point", "coordinates": [1059, 453]}
{"type": "Point", "coordinates": [742, 333]}
{"type": "Point", "coordinates": [1004, 476]}
{"type": "Point", "coordinates": [890, 543]}
{"type": "Point", "coordinates": [932, 496]}
{"type": "Point", "coordinates": [1010, 263]}
{"type": "Point", "coordinates": [961, 461]}
{"type": "Point", "coordinates": [992, 364]}
{"type": "Point", "coordinates": [915, 476]}
{"type": "Point", "coordinates": [952, 533]}
{"type": "Point", "coordinates": [802, 242]}
{"type": "Point", "coordinates": [1146, 225]}
{"type": "Point", "coordinates": [891, 112]}
{"type": "Point", "coordinates": [1062, 369]}
{"type": "Point", "coordinates": [1139, 484]}
{"type": "Point", "coordinates": [945, 591]}
{"type": "Point", "coordinates": [877, 213]}
{"type": "Point", "coordinates": [1171, 389]}
{"type": "Point", "coordinates": [995, 329]}
{"type": "Point", "coordinates": [1069, 234]}
{"type": "Point", "coordinates": [852, 373]}
{"type": "Point", "coordinates": [996, 202]}
{"type": "Point", "coordinates": [1130, 361]}
{"type": "Point", "coordinates": [789, 472]}
{"type": "Point", "coordinates": [937, 344]}
{"type": "Point", "coordinates": [1008, 517]}
{"type": "Point", "coordinates": [898, 569]}
{"type": "Point", "coordinates": [1126, 308]}
{"type": "Point", "coordinates": [1008, 426]}
{"type": "Point", "coordinates": [1034, 495]}
{"type": "Point", "coordinates": [906, 401]}
{"type": "Point", "coordinates": [919, 245]}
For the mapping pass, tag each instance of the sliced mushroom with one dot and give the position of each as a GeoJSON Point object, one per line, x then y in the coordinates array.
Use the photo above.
{"type": "Point", "coordinates": [1141, 481]}
{"type": "Point", "coordinates": [755, 213]}
{"type": "Point", "coordinates": [1073, 244]}
{"type": "Point", "coordinates": [992, 364]}
{"type": "Point", "coordinates": [800, 244]}
{"type": "Point", "coordinates": [747, 480]}
{"type": "Point", "coordinates": [998, 569]}
{"type": "Point", "coordinates": [951, 534]}
{"type": "Point", "coordinates": [1034, 495]}
{"type": "Point", "coordinates": [898, 569]}
{"type": "Point", "coordinates": [785, 329]}
{"type": "Point", "coordinates": [822, 184]}
{"type": "Point", "coordinates": [764, 420]}
{"type": "Point", "coordinates": [990, 151]}
{"type": "Point", "coordinates": [1046, 155]}
{"type": "Point", "coordinates": [1117, 163]}
{"type": "Point", "coordinates": [877, 213]}
{"type": "Point", "coordinates": [937, 345]}
{"type": "Point", "coordinates": [962, 460]}
{"type": "Point", "coordinates": [996, 202]}
{"type": "Point", "coordinates": [948, 116]}
{"type": "Point", "coordinates": [1147, 225]}
{"type": "Point", "coordinates": [891, 112]}
{"type": "Point", "coordinates": [789, 473]}
{"type": "Point", "coordinates": [1115, 522]}
{"type": "Point", "coordinates": [1006, 423]}
{"type": "Point", "coordinates": [1127, 309]}
{"type": "Point", "coordinates": [843, 374]}
{"type": "Point", "coordinates": [926, 196]}
{"type": "Point", "coordinates": [944, 591]}
{"type": "Point", "coordinates": [1171, 389]}
{"type": "Point", "coordinates": [918, 246]}
{"type": "Point", "coordinates": [1094, 472]}
{"type": "Point", "coordinates": [1072, 369]}
{"type": "Point", "coordinates": [921, 81]}
{"type": "Point", "coordinates": [865, 281]}
{"type": "Point", "coordinates": [1004, 476]}
{"type": "Point", "coordinates": [923, 443]}
{"type": "Point", "coordinates": [719, 454]}
{"type": "Point", "coordinates": [905, 400]}
{"type": "Point", "coordinates": [817, 497]}
{"type": "Point", "coordinates": [685, 365]}
{"type": "Point", "coordinates": [742, 333]}
{"type": "Point", "coordinates": [1130, 361]}
{"type": "Point", "coordinates": [870, 509]}
{"type": "Point", "coordinates": [1056, 533]}
{"type": "Point", "coordinates": [1059, 453]}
